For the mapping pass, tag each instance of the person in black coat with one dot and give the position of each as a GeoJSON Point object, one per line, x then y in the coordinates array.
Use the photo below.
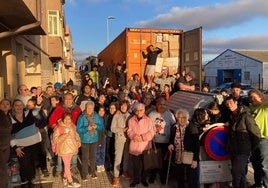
{"type": "Point", "coordinates": [104, 73]}
{"type": "Point", "coordinates": [176, 144]}
{"type": "Point", "coordinates": [197, 125]}
{"type": "Point", "coordinates": [5, 136]}
{"type": "Point", "coordinates": [120, 75]}
{"type": "Point", "coordinates": [216, 114]}
{"type": "Point", "coordinates": [243, 139]}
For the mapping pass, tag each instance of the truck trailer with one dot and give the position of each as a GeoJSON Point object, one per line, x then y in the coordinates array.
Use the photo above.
{"type": "Point", "coordinates": [181, 51]}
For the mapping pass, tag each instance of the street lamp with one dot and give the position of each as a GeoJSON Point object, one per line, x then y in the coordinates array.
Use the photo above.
{"type": "Point", "coordinates": [107, 27]}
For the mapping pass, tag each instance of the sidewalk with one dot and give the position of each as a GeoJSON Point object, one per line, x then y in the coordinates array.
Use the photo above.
{"type": "Point", "coordinates": [104, 181]}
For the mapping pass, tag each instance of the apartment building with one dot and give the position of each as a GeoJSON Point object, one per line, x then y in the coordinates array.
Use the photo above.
{"type": "Point", "coordinates": [35, 45]}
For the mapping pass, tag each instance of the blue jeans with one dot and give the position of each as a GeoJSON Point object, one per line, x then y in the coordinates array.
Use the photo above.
{"type": "Point", "coordinates": [59, 163]}
{"type": "Point", "coordinates": [255, 159]}
{"type": "Point", "coordinates": [100, 156]}
{"type": "Point", "coordinates": [239, 164]}
{"type": "Point", "coordinates": [259, 161]}
{"type": "Point", "coordinates": [193, 176]}
{"type": "Point", "coordinates": [264, 159]}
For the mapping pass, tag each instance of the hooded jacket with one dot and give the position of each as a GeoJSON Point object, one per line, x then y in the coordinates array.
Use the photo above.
{"type": "Point", "coordinates": [244, 134]}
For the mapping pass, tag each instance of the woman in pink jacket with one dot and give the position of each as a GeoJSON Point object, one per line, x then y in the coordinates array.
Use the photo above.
{"type": "Point", "coordinates": [140, 132]}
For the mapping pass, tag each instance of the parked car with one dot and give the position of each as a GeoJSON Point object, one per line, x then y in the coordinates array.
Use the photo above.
{"type": "Point", "coordinates": [265, 95]}
{"type": "Point", "coordinates": [245, 88]}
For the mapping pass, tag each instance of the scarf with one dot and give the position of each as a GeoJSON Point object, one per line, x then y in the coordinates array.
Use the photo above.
{"type": "Point", "coordinates": [91, 121]}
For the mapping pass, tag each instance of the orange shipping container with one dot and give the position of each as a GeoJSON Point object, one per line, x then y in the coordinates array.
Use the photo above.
{"type": "Point", "coordinates": [177, 53]}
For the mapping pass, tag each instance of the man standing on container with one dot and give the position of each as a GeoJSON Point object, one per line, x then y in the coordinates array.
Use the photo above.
{"type": "Point", "coordinates": [104, 74]}
{"type": "Point", "coordinates": [151, 56]}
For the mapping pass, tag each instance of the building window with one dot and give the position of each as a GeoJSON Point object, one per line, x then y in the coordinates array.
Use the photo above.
{"type": "Point", "coordinates": [187, 57]}
{"type": "Point", "coordinates": [31, 62]}
{"type": "Point", "coordinates": [196, 56]}
{"type": "Point", "coordinates": [27, 61]}
{"type": "Point", "coordinates": [246, 75]}
{"type": "Point", "coordinates": [53, 22]}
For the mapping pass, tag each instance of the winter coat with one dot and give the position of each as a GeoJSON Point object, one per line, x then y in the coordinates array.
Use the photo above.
{"type": "Point", "coordinates": [5, 130]}
{"type": "Point", "coordinates": [66, 140]}
{"type": "Point", "coordinates": [25, 133]}
{"type": "Point", "coordinates": [118, 123]}
{"type": "Point", "coordinates": [191, 139]}
{"type": "Point", "coordinates": [60, 110]}
{"type": "Point", "coordinates": [82, 128]}
{"type": "Point", "coordinates": [244, 134]}
{"type": "Point", "coordinates": [143, 128]}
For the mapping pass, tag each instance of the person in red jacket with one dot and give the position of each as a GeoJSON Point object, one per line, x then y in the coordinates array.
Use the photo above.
{"type": "Point", "coordinates": [68, 105]}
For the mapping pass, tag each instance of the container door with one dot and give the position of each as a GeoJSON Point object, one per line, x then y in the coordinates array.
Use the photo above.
{"type": "Point", "coordinates": [191, 59]}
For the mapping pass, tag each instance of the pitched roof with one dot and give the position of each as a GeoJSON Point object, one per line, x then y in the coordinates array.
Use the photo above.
{"type": "Point", "coordinates": [260, 55]}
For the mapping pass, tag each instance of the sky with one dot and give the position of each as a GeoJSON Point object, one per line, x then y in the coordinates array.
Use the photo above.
{"type": "Point", "coordinates": [226, 24]}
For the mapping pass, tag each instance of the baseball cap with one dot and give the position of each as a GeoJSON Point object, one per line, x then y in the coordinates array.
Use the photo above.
{"type": "Point", "coordinates": [57, 85]}
{"type": "Point", "coordinates": [191, 74]}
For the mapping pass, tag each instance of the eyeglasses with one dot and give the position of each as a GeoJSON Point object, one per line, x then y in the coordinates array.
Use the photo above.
{"type": "Point", "coordinates": [181, 117]}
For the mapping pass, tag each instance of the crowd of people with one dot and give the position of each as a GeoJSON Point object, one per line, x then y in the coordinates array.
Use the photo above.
{"type": "Point", "coordinates": [110, 128]}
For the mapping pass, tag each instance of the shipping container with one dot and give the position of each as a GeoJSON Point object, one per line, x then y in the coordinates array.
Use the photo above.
{"type": "Point", "coordinates": [181, 51]}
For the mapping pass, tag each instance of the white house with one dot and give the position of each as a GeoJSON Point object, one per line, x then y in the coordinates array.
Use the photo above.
{"type": "Point", "coordinates": [246, 66]}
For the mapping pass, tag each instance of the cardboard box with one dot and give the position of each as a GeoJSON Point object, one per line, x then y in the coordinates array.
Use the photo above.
{"type": "Point", "coordinates": [171, 63]}
{"type": "Point", "coordinates": [215, 171]}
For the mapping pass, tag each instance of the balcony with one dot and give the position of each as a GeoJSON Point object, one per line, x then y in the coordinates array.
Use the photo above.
{"type": "Point", "coordinates": [55, 48]}
{"type": "Point", "coordinates": [20, 17]}
{"type": "Point", "coordinates": [68, 62]}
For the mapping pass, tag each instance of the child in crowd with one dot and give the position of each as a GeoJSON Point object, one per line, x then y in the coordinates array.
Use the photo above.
{"type": "Point", "coordinates": [166, 92]}
{"type": "Point", "coordinates": [67, 142]}
{"type": "Point", "coordinates": [54, 101]}
{"type": "Point", "coordinates": [100, 157]}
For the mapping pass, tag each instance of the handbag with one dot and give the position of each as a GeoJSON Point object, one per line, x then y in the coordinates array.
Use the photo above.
{"type": "Point", "coordinates": [152, 158]}
{"type": "Point", "coordinates": [187, 157]}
